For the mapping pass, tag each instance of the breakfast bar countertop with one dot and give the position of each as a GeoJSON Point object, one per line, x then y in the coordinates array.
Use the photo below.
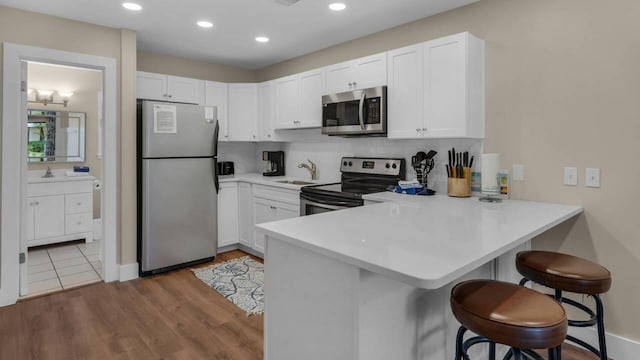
{"type": "Point", "coordinates": [427, 242]}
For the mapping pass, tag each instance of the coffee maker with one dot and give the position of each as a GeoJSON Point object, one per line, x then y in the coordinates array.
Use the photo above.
{"type": "Point", "coordinates": [275, 163]}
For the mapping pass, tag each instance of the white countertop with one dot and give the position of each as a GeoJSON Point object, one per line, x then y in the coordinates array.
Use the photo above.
{"type": "Point", "coordinates": [255, 178]}
{"type": "Point", "coordinates": [424, 241]}
{"type": "Point", "coordinates": [59, 175]}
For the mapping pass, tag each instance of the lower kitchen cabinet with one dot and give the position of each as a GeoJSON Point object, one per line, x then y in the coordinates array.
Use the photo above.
{"type": "Point", "coordinates": [245, 219]}
{"type": "Point", "coordinates": [242, 205]}
{"type": "Point", "coordinates": [228, 214]}
{"type": "Point", "coordinates": [265, 210]}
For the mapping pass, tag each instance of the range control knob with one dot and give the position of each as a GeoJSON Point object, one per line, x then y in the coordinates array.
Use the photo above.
{"type": "Point", "coordinates": [394, 166]}
{"type": "Point", "coordinates": [344, 163]}
{"type": "Point", "coordinates": [387, 165]}
{"type": "Point", "coordinates": [350, 163]}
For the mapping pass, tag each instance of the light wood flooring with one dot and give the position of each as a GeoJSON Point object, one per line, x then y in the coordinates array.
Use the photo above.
{"type": "Point", "coordinates": [171, 316]}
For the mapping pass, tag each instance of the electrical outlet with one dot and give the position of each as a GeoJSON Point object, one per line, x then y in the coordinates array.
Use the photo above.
{"type": "Point", "coordinates": [518, 172]}
{"type": "Point", "coordinates": [592, 177]}
{"type": "Point", "coordinates": [571, 176]}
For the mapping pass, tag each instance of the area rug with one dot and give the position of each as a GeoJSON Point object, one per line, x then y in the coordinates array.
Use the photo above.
{"type": "Point", "coordinates": [239, 280]}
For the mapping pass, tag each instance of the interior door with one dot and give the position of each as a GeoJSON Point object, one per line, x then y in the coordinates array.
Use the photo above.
{"type": "Point", "coordinates": [24, 280]}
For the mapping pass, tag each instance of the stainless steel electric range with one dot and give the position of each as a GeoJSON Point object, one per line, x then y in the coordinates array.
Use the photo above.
{"type": "Point", "coordinates": [359, 176]}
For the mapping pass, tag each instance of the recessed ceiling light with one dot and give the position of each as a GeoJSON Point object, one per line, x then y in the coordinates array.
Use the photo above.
{"type": "Point", "coordinates": [337, 6]}
{"type": "Point", "coordinates": [262, 39]}
{"type": "Point", "coordinates": [205, 24]}
{"type": "Point", "coordinates": [132, 6]}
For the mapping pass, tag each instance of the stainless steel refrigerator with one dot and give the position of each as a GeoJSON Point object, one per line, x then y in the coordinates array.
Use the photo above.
{"type": "Point", "coordinates": [177, 185]}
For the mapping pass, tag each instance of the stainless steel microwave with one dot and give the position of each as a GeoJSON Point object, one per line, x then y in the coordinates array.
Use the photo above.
{"type": "Point", "coordinates": [355, 113]}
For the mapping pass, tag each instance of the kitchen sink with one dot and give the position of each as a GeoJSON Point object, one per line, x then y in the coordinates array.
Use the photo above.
{"type": "Point", "coordinates": [295, 182]}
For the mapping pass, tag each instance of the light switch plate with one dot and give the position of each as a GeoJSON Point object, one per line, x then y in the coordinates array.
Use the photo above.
{"type": "Point", "coordinates": [592, 177]}
{"type": "Point", "coordinates": [518, 172]}
{"type": "Point", "coordinates": [571, 176]}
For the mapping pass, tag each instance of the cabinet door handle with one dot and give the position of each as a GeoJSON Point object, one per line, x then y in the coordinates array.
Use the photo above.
{"type": "Point", "coordinates": [37, 203]}
{"type": "Point", "coordinates": [354, 84]}
{"type": "Point", "coordinates": [268, 135]}
{"type": "Point", "coordinates": [424, 129]}
{"type": "Point", "coordinates": [418, 129]}
{"type": "Point", "coordinates": [79, 223]}
{"type": "Point", "coordinates": [170, 96]}
{"type": "Point", "coordinates": [78, 203]}
{"type": "Point", "coordinates": [272, 207]}
{"type": "Point", "coordinates": [350, 84]}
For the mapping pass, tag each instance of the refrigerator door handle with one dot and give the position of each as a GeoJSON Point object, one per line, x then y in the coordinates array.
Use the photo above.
{"type": "Point", "coordinates": [215, 174]}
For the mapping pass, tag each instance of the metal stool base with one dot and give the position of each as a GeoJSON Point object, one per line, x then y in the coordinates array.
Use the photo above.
{"type": "Point", "coordinates": [462, 348]}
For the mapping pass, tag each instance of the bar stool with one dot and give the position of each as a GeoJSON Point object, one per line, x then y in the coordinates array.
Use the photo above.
{"type": "Point", "coordinates": [563, 272]}
{"type": "Point", "coordinates": [509, 314]}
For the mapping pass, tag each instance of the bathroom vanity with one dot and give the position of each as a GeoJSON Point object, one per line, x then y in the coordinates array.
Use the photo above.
{"type": "Point", "coordinates": [59, 209]}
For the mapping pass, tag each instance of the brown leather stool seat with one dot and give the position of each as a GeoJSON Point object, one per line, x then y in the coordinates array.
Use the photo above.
{"type": "Point", "coordinates": [564, 272]}
{"type": "Point", "coordinates": [509, 314]}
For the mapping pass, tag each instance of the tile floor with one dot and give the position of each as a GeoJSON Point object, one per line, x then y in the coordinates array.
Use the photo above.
{"type": "Point", "coordinates": [65, 266]}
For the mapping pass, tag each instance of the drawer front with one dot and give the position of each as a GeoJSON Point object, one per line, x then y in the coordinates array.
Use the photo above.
{"type": "Point", "coordinates": [78, 203]}
{"type": "Point", "coordinates": [278, 194]}
{"type": "Point", "coordinates": [79, 223]}
{"type": "Point", "coordinates": [65, 187]}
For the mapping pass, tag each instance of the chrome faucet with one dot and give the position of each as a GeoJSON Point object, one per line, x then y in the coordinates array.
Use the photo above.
{"type": "Point", "coordinates": [312, 169]}
{"type": "Point", "coordinates": [48, 174]}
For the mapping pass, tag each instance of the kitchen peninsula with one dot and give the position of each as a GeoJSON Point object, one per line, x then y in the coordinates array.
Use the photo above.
{"type": "Point", "coordinates": [373, 282]}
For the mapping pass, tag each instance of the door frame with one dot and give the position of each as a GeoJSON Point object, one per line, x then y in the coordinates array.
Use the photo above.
{"type": "Point", "coordinates": [14, 168]}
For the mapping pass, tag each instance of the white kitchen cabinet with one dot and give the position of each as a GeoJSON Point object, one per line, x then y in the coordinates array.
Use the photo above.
{"type": "Point", "coordinates": [266, 210]}
{"type": "Point", "coordinates": [217, 94]}
{"type": "Point", "coordinates": [59, 210]}
{"type": "Point", "coordinates": [228, 214]}
{"type": "Point", "coordinates": [312, 87]}
{"type": "Point", "coordinates": [448, 101]}
{"type": "Point", "coordinates": [245, 218]}
{"type": "Point", "coordinates": [299, 100]}
{"type": "Point", "coordinates": [150, 86]}
{"type": "Point", "coordinates": [362, 73]}
{"type": "Point", "coordinates": [287, 97]}
{"type": "Point", "coordinates": [243, 112]}
{"type": "Point", "coordinates": [405, 93]}
{"type": "Point", "coordinates": [266, 111]}
{"type": "Point", "coordinates": [272, 203]}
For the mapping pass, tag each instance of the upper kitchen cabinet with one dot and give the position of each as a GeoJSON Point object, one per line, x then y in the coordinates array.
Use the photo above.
{"type": "Point", "coordinates": [150, 86]}
{"type": "Point", "coordinates": [366, 72]}
{"type": "Point", "coordinates": [436, 89]}
{"type": "Point", "coordinates": [243, 112]}
{"type": "Point", "coordinates": [217, 94]}
{"type": "Point", "coordinates": [312, 87]}
{"type": "Point", "coordinates": [299, 100]}
{"type": "Point", "coordinates": [266, 111]}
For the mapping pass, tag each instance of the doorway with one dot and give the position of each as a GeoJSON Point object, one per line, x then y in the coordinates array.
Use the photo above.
{"type": "Point", "coordinates": [64, 177]}
{"type": "Point", "coordinates": [15, 170]}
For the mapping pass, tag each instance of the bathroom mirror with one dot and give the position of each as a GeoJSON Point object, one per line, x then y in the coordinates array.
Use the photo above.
{"type": "Point", "coordinates": [55, 136]}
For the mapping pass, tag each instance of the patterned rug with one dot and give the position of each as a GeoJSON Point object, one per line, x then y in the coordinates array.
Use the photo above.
{"type": "Point", "coordinates": [239, 280]}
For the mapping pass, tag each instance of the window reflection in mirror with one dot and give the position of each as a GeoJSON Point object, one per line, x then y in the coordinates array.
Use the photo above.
{"type": "Point", "coordinates": [55, 136]}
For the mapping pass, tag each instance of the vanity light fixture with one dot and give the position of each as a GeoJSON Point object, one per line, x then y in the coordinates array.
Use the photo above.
{"type": "Point", "coordinates": [262, 39]}
{"type": "Point", "coordinates": [45, 97]}
{"type": "Point", "coordinates": [205, 24]}
{"type": "Point", "coordinates": [337, 6]}
{"type": "Point", "coordinates": [132, 6]}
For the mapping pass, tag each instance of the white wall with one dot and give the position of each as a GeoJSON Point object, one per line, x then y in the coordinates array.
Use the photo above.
{"type": "Point", "coordinates": [242, 154]}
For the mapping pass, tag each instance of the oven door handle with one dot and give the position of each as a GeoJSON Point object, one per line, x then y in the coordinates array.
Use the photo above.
{"type": "Point", "coordinates": [332, 203]}
{"type": "Point", "coordinates": [361, 108]}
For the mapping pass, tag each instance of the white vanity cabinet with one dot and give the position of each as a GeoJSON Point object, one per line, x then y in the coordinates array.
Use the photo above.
{"type": "Point", "coordinates": [436, 89]}
{"type": "Point", "coordinates": [362, 73]}
{"type": "Point", "coordinates": [151, 86]}
{"type": "Point", "coordinates": [59, 209]}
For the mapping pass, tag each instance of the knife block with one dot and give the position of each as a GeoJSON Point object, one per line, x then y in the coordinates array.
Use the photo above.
{"type": "Point", "coordinates": [460, 187]}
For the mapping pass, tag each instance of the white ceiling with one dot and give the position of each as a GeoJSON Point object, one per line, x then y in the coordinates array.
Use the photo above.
{"type": "Point", "coordinates": [168, 27]}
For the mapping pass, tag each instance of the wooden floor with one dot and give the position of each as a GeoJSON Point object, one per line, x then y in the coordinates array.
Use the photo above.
{"type": "Point", "coordinates": [172, 316]}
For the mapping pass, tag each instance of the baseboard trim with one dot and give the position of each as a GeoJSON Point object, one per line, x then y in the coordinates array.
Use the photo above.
{"type": "Point", "coordinates": [618, 347]}
{"type": "Point", "coordinates": [128, 272]}
{"type": "Point", "coordinates": [251, 251]}
{"type": "Point", "coordinates": [227, 248]}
